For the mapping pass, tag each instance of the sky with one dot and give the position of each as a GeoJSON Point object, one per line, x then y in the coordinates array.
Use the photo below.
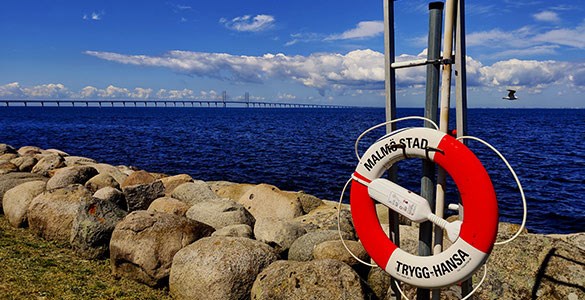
{"type": "Point", "coordinates": [318, 52]}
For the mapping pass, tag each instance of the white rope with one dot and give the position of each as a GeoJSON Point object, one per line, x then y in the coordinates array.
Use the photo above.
{"type": "Point", "coordinates": [386, 123]}
{"type": "Point", "coordinates": [517, 182]}
{"type": "Point", "coordinates": [339, 226]}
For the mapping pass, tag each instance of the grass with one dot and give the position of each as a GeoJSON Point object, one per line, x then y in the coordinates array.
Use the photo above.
{"type": "Point", "coordinates": [32, 268]}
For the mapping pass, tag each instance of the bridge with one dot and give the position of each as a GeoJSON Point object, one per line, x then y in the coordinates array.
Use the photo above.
{"type": "Point", "coordinates": [158, 103]}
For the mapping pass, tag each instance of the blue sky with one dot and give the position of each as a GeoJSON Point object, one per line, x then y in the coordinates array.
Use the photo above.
{"type": "Point", "coordinates": [284, 51]}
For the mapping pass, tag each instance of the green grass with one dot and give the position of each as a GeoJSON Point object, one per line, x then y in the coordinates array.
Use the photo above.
{"type": "Point", "coordinates": [32, 268]}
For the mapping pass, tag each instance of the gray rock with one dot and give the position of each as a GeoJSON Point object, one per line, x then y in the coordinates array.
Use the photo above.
{"type": "Point", "coordinates": [316, 279]}
{"type": "Point", "coordinates": [379, 283]}
{"type": "Point", "coordinates": [101, 181]}
{"type": "Point", "coordinates": [194, 192]}
{"type": "Point", "coordinates": [51, 214]}
{"type": "Point", "coordinates": [220, 213]}
{"type": "Point", "coordinates": [335, 249]}
{"type": "Point", "coordinates": [10, 180]}
{"type": "Point", "coordinates": [267, 201]}
{"type": "Point", "coordinates": [24, 163]}
{"type": "Point", "coordinates": [71, 175]}
{"type": "Point", "coordinates": [308, 202]}
{"type": "Point", "coordinates": [302, 248]}
{"type": "Point", "coordinates": [78, 161]}
{"type": "Point", "coordinates": [239, 230]}
{"type": "Point", "coordinates": [93, 226]}
{"type": "Point", "coordinates": [218, 268]}
{"type": "Point", "coordinates": [113, 195]}
{"type": "Point", "coordinates": [139, 197]}
{"type": "Point", "coordinates": [325, 217]}
{"type": "Point", "coordinates": [144, 243]}
{"type": "Point", "coordinates": [172, 182]}
{"type": "Point", "coordinates": [170, 206]}
{"type": "Point", "coordinates": [5, 148]}
{"type": "Point", "coordinates": [16, 201]}
{"type": "Point", "coordinates": [48, 163]}
{"type": "Point", "coordinates": [278, 234]}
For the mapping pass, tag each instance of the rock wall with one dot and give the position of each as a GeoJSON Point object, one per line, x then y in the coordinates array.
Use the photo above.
{"type": "Point", "coordinates": [224, 240]}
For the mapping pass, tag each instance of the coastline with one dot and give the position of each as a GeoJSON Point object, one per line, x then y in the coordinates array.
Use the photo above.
{"type": "Point", "coordinates": [115, 200]}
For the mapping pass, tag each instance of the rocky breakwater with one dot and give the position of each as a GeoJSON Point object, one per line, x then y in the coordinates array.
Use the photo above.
{"type": "Point", "coordinates": [224, 240]}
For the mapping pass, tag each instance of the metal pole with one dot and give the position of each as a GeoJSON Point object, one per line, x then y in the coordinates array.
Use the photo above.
{"type": "Point", "coordinates": [390, 104]}
{"type": "Point", "coordinates": [431, 109]}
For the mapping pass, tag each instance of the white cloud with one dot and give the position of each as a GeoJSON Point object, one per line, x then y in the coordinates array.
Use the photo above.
{"type": "Point", "coordinates": [51, 91]}
{"type": "Point", "coordinates": [249, 23]}
{"type": "Point", "coordinates": [547, 16]}
{"type": "Point", "coordinates": [95, 16]}
{"type": "Point", "coordinates": [364, 29]}
{"type": "Point", "coordinates": [574, 37]}
{"type": "Point", "coordinates": [11, 90]}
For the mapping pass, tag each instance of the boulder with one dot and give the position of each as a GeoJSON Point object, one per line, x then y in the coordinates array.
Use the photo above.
{"type": "Point", "coordinates": [233, 191]}
{"type": "Point", "coordinates": [267, 201]}
{"type": "Point", "coordinates": [101, 181]}
{"type": "Point", "coordinates": [24, 163]}
{"type": "Point", "coordinates": [51, 214]}
{"type": "Point", "coordinates": [110, 170]}
{"type": "Point", "coordinates": [7, 167]}
{"type": "Point", "coordinates": [308, 202]}
{"type": "Point", "coordinates": [172, 182]}
{"type": "Point", "coordinates": [16, 201]}
{"type": "Point", "coordinates": [48, 163]}
{"type": "Point", "coordinates": [220, 213]}
{"type": "Point", "coordinates": [278, 234]}
{"type": "Point", "coordinates": [144, 243]}
{"type": "Point", "coordinates": [193, 192]}
{"type": "Point", "coordinates": [78, 161]}
{"type": "Point", "coordinates": [335, 249]}
{"type": "Point", "coordinates": [218, 268]}
{"type": "Point", "coordinates": [93, 226]}
{"type": "Point", "coordinates": [139, 197]}
{"type": "Point", "coordinates": [316, 279]}
{"type": "Point", "coordinates": [138, 177]}
{"type": "Point", "coordinates": [113, 195]}
{"type": "Point", "coordinates": [71, 175]}
{"type": "Point", "coordinates": [8, 157]}
{"type": "Point", "coordinates": [302, 248]}
{"type": "Point", "coordinates": [55, 151]}
{"type": "Point", "coordinates": [238, 230]}
{"type": "Point", "coordinates": [169, 205]}
{"type": "Point", "coordinates": [10, 180]}
{"type": "Point", "coordinates": [29, 150]}
{"type": "Point", "coordinates": [5, 148]}
{"type": "Point", "coordinates": [325, 217]}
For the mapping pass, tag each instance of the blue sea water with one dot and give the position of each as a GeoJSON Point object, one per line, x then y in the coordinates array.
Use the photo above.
{"type": "Point", "coordinates": [312, 149]}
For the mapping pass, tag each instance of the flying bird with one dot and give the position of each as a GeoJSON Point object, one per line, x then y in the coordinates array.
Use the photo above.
{"type": "Point", "coordinates": [511, 95]}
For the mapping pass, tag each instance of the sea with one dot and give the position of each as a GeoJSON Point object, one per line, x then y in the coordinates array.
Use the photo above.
{"type": "Point", "coordinates": [312, 150]}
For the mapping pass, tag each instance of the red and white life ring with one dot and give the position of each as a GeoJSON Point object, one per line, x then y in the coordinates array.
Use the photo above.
{"type": "Point", "coordinates": [480, 222]}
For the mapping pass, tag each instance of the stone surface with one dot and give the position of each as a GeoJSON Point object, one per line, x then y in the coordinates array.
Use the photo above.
{"type": "Point", "coordinates": [138, 177]}
{"type": "Point", "coordinates": [78, 161]}
{"type": "Point", "coordinates": [110, 170]}
{"type": "Point", "coordinates": [302, 248]}
{"type": "Point", "coordinates": [239, 230]}
{"type": "Point", "coordinates": [335, 249]}
{"type": "Point", "coordinates": [113, 195]}
{"type": "Point", "coordinates": [10, 180]}
{"type": "Point", "coordinates": [7, 167]}
{"type": "Point", "coordinates": [70, 175]}
{"type": "Point", "coordinates": [16, 201]}
{"type": "Point", "coordinates": [139, 197]}
{"type": "Point", "coordinates": [220, 213]}
{"type": "Point", "coordinates": [55, 151]}
{"type": "Point", "coordinates": [8, 157]}
{"type": "Point", "coordinates": [194, 192]}
{"type": "Point", "coordinates": [24, 163]}
{"type": "Point", "coordinates": [101, 181]}
{"type": "Point", "coordinates": [172, 182]}
{"type": "Point", "coordinates": [29, 150]}
{"type": "Point", "coordinates": [144, 243]}
{"type": "Point", "coordinates": [93, 226]}
{"type": "Point", "coordinates": [48, 163]}
{"type": "Point", "coordinates": [218, 268]}
{"type": "Point", "coordinates": [316, 279]}
{"type": "Point", "coordinates": [325, 217]}
{"type": "Point", "coordinates": [278, 234]}
{"type": "Point", "coordinates": [230, 190]}
{"type": "Point", "coordinates": [170, 206]}
{"type": "Point", "coordinates": [5, 148]}
{"type": "Point", "coordinates": [51, 214]}
{"type": "Point", "coordinates": [267, 201]}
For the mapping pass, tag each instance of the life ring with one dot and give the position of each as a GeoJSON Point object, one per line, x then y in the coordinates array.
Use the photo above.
{"type": "Point", "coordinates": [480, 223]}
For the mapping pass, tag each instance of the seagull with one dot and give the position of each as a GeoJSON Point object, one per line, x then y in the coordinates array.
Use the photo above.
{"type": "Point", "coordinates": [511, 95]}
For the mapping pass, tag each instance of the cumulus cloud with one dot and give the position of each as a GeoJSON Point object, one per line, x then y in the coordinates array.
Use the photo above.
{"type": "Point", "coordinates": [365, 29]}
{"type": "Point", "coordinates": [249, 23]}
{"type": "Point", "coordinates": [547, 16]}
